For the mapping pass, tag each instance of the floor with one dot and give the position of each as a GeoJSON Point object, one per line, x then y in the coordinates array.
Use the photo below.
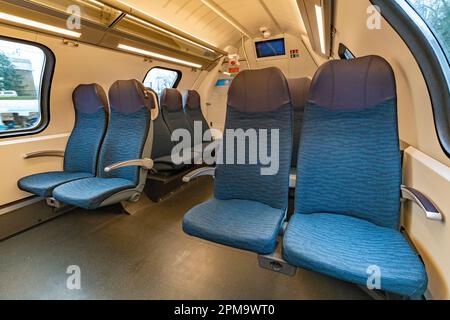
{"type": "Point", "coordinates": [145, 256]}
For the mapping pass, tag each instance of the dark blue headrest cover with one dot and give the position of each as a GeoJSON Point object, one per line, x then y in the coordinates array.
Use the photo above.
{"type": "Point", "coordinates": [89, 98]}
{"type": "Point", "coordinates": [353, 84]}
{"type": "Point", "coordinates": [130, 96]}
{"type": "Point", "coordinates": [171, 100]}
{"type": "Point", "coordinates": [262, 90]}
{"type": "Point", "coordinates": [299, 89]}
{"type": "Point", "coordinates": [192, 100]}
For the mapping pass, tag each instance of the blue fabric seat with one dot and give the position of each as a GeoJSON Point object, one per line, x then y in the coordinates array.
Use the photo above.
{"type": "Point", "coordinates": [347, 205]}
{"type": "Point", "coordinates": [128, 138]}
{"type": "Point", "coordinates": [163, 145]}
{"type": "Point", "coordinates": [172, 110]}
{"type": "Point", "coordinates": [242, 224]}
{"type": "Point", "coordinates": [346, 247]}
{"type": "Point", "coordinates": [42, 184]}
{"type": "Point", "coordinates": [81, 155]}
{"type": "Point", "coordinates": [193, 110]}
{"type": "Point", "coordinates": [90, 193]}
{"type": "Point", "coordinates": [249, 204]}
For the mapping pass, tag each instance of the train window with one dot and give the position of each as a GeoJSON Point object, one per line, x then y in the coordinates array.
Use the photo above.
{"type": "Point", "coordinates": [159, 78]}
{"type": "Point", "coordinates": [435, 13]}
{"type": "Point", "coordinates": [345, 53]}
{"type": "Point", "coordinates": [423, 25]}
{"type": "Point", "coordinates": [26, 70]}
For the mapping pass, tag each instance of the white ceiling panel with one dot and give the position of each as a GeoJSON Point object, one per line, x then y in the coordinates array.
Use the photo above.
{"type": "Point", "coordinates": [194, 17]}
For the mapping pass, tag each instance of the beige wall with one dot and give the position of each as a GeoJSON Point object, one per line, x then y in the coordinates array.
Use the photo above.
{"type": "Point", "coordinates": [415, 111]}
{"type": "Point", "coordinates": [85, 64]}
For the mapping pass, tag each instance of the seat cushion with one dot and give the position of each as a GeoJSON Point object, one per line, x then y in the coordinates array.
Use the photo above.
{"type": "Point", "coordinates": [90, 193]}
{"type": "Point", "coordinates": [345, 247]}
{"type": "Point", "coordinates": [241, 224]}
{"type": "Point", "coordinates": [42, 184]}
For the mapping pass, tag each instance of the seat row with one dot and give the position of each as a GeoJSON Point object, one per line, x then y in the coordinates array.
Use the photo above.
{"type": "Point", "coordinates": [108, 152]}
{"type": "Point", "coordinates": [112, 147]}
{"type": "Point", "coordinates": [177, 112]}
{"type": "Point", "coordinates": [346, 219]}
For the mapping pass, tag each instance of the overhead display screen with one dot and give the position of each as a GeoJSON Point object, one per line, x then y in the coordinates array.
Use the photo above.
{"type": "Point", "coordinates": [270, 48]}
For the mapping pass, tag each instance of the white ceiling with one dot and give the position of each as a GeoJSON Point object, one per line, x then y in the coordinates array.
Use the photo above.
{"type": "Point", "coordinates": [196, 18]}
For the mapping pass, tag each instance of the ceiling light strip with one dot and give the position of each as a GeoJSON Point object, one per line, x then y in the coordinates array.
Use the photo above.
{"type": "Point", "coordinates": [158, 56]}
{"type": "Point", "coordinates": [139, 14]}
{"type": "Point", "coordinates": [319, 16]}
{"type": "Point", "coordinates": [153, 26]}
{"type": "Point", "coordinates": [38, 25]}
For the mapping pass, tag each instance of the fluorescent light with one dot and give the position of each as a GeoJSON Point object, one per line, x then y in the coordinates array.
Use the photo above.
{"type": "Point", "coordinates": [151, 25]}
{"type": "Point", "coordinates": [158, 56]}
{"type": "Point", "coordinates": [226, 73]}
{"type": "Point", "coordinates": [172, 26]}
{"type": "Point", "coordinates": [38, 25]}
{"type": "Point", "coordinates": [98, 3]}
{"type": "Point", "coordinates": [214, 8]}
{"type": "Point", "coordinates": [319, 16]}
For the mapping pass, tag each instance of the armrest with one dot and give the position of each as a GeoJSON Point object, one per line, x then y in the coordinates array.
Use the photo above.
{"type": "Point", "coordinates": [430, 210]}
{"type": "Point", "coordinates": [207, 171]}
{"type": "Point", "coordinates": [145, 163]}
{"type": "Point", "coordinates": [45, 153]}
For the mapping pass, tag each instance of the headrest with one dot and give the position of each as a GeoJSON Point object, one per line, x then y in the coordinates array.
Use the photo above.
{"type": "Point", "coordinates": [353, 84]}
{"type": "Point", "coordinates": [88, 98]}
{"type": "Point", "coordinates": [299, 89]}
{"type": "Point", "coordinates": [130, 96]}
{"type": "Point", "coordinates": [171, 100]}
{"type": "Point", "coordinates": [192, 100]}
{"type": "Point", "coordinates": [262, 90]}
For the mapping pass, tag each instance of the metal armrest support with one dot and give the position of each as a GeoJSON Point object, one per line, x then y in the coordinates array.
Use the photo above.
{"type": "Point", "coordinates": [430, 210]}
{"type": "Point", "coordinates": [145, 163]}
{"type": "Point", "coordinates": [207, 171]}
{"type": "Point", "coordinates": [45, 153]}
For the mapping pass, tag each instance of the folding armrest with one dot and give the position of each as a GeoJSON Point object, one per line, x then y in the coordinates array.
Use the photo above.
{"type": "Point", "coordinates": [44, 153]}
{"type": "Point", "coordinates": [207, 171]}
{"type": "Point", "coordinates": [144, 163]}
{"type": "Point", "coordinates": [427, 206]}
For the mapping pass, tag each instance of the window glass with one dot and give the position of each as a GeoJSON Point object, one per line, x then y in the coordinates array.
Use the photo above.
{"type": "Point", "coordinates": [21, 73]}
{"type": "Point", "coordinates": [436, 14]}
{"type": "Point", "coordinates": [159, 79]}
{"type": "Point", "coordinates": [345, 53]}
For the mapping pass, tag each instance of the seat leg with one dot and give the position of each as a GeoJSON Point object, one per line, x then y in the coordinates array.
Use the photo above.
{"type": "Point", "coordinates": [275, 262]}
{"type": "Point", "coordinates": [133, 207]}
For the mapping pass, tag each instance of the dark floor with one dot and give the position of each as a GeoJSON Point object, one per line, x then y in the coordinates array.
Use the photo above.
{"type": "Point", "coordinates": [145, 256]}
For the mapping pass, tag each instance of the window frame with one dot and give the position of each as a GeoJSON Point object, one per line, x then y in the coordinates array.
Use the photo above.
{"type": "Point", "coordinates": [45, 92]}
{"type": "Point", "coordinates": [430, 57]}
{"type": "Point", "coordinates": [179, 73]}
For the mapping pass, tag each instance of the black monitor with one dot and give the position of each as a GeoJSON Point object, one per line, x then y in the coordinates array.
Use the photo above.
{"type": "Point", "coordinates": [270, 48]}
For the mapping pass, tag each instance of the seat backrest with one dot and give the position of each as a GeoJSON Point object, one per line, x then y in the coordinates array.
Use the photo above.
{"type": "Point", "coordinates": [162, 141]}
{"type": "Point", "coordinates": [259, 100]}
{"type": "Point", "coordinates": [349, 157]}
{"type": "Point", "coordinates": [172, 109]}
{"type": "Point", "coordinates": [299, 89]}
{"type": "Point", "coordinates": [129, 135]}
{"type": "Point", "coordinates": [193, 111]}
{"type": "Point", "coordinates": [91, 120]}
